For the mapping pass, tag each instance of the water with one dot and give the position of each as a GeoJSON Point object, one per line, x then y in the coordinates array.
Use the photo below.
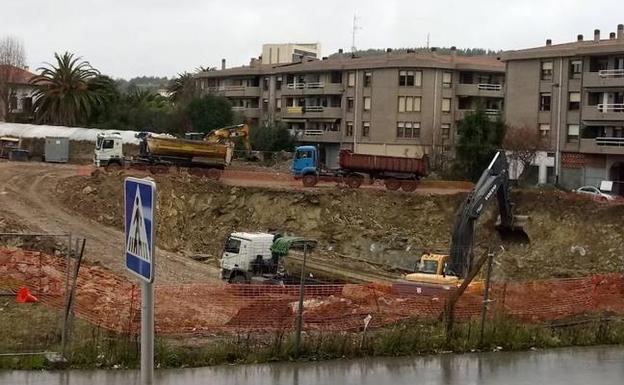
{"type": "Point", "coordinates": [571, 366]}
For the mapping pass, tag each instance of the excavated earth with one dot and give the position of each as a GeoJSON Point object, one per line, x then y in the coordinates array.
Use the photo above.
{"type": "Point", "coordinates": [569, 236]}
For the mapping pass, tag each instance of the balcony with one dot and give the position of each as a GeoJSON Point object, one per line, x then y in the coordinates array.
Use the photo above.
{"type": "Point", "coordinates": [249, 112]}
{"type": "Point", "coordinates": [481, 89]}
{"type": "Point", "coordinates": [602, 145]}
{"type": "Point", "coordinates": [313, 112]}
{"type": "Point", "coordinates": [313, 88]}
{"type": "Point", "coordinates": [604, 112]}
{"type": "Point", "coordinates": [492, 113]}
{"type": "Point", "coordinates": [604, 78]}
{"type": "Point", "coordinates": [235, 91]}
{"type": "Point", "coordinates": [318, 136]}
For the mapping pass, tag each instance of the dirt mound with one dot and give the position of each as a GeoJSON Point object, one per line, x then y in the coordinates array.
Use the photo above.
{"type": "Point", "coordinates": [569, 236]}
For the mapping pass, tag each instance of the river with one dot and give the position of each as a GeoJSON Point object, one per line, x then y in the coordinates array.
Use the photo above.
{"type": "Point", "coordinates": [601, 365]}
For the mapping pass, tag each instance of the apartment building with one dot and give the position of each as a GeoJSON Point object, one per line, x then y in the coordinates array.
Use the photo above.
{"type": "Point", "coordinates": [573, 95]}
{"type": "Point", "coordinates": [289, 52]}
{"type": "Point", "coordinates": [401, 104]}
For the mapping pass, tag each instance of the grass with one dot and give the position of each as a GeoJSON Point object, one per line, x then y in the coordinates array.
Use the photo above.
{"type": "Point", "coordinates": [93, 347]}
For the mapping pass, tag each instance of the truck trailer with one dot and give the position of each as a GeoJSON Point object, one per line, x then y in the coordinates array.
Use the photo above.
{"type": "Point", "coordinates": [396, 172]}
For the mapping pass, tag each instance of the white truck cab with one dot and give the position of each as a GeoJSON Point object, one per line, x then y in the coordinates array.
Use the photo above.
{"type": "Point", "coordinates": [108, 149]}
{"type": "Point", "coordinates": [247, 255]}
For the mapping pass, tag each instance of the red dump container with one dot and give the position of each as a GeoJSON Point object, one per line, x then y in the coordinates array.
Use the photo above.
{"type": "Point", "coordinates": [379, 163]}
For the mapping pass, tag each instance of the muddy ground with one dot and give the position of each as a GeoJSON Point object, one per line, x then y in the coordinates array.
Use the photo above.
{"type": "Point", "coordinates": [569, 236]}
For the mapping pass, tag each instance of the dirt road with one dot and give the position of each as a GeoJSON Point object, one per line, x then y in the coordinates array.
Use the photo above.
{"type": "Point", "coordinates": [27, 194]}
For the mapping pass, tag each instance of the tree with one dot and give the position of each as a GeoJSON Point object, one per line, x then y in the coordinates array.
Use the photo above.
{"type": "Point", "coordinates": [11, 56]}
{"type": "Point", "coordinates": [182, 89]}
{"type": "Point", "coordinates": [271, 138]}
{"type": "Point", "coordinates": [479, 138]}
{"type": "Point", "coordinates": [209, 112]}
{"type": "Point", "coordinates": [69, 91]}
{"type": "Point", "coordinates": [522, 144]}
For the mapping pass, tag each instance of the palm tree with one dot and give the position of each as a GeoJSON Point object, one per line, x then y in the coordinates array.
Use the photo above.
{"type": "Point", "coordinates": [68, 92]}
{"type": "Point", "coordinates": [182, 89]}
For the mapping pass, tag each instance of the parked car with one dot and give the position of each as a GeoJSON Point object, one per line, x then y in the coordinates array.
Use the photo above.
{"type": "Point", "coordinates": [596, 193]}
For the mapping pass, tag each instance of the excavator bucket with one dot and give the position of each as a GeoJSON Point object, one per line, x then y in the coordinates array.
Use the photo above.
{"type": "Point", "coordinates": [514, 233]}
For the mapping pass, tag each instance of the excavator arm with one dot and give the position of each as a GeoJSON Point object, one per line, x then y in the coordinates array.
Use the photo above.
{"type": "Point", "coordinates": [493, 182]}
{"type": "Point", "coordinates": [226, 134]}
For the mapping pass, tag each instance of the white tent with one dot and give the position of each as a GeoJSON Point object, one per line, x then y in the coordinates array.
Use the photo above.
{"type": "Point", "coordinates": [73, 133]}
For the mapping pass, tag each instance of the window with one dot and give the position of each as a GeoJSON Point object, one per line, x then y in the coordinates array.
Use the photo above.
{"type": "Point", "coordinates": [544, 101]}
{"type": "Point", "coordinates": [349, 129]}
{"type": "Point", "coordinates": [447, 79]}
{"type": "Point", "coordinates": [232, 246]}
{"type": "Point", "coordinates": [365, 129]}
{"type": "Point", "coordinates": [410, 78]}
{"type": "Point", "coordinates": [265, 84]}
{"type": "Point", "coordinates": [409, 103]}
{"type": "Point", "coordinates": [576, 67]}
{"type": "Point", "coordinates": [446, 105]}
{"type": "Point", "coordinates": [278, 104]}
{"type": "Point", "coordinates": [349, 104]}
{"type": "Point", "coordinates": [336, 77]}
{"type": "Point", "coordinates": [278, 83]}
{"type": "Point", "coordinates": [351, 79]}
{"type": "Point", "coordinates": [367, 103]}
{"type": "Point", "coordinates": [265, 104]}
{"type": "Point", "coordinates": [547, 70]}
{"type": "Point", "coordinates": [544, 130]}
{"type": "Point", "coordinates": [368, 78]}
{"type": "Point", "coordinates": [573, 132]}
{"type": "Point", "coordinates": [108, 143]}
{"type": "Point", "coordinates": [575, 101]}
{"type": "Point", "coordinates": [445, 130]}
{"type": "Point", "coordinates": [408, 130]}
{"type": "Point", "coordinates": [13, 103]}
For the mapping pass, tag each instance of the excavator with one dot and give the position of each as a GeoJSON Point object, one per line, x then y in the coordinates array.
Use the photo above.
{"type": "Point", "coordinates": [225, 135]}
{"type": "Point", "coordinates": [451, 269]}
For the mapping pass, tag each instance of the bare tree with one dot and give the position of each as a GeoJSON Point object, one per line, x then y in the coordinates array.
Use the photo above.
{"type": "Point", "coordinates": [11, 55]}
{"type": "Point", "coordinates": [522, 144]}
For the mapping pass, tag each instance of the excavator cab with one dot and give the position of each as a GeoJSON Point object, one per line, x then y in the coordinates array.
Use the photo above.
{"type": "Point", "coordinates": [433, 268]}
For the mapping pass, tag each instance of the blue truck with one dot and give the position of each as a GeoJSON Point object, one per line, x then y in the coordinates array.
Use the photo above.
{"type": "Point", "coordinates": [396, 172]}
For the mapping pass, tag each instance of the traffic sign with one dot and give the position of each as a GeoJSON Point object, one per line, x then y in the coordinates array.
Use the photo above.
{"type": "Point", "coordinates": [139, 204]}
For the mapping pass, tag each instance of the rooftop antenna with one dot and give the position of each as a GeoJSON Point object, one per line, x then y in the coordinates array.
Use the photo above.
{"type": "Point", "coordinates": [427, 40]}
{"type": "Point", "coordinates": [355, 28]}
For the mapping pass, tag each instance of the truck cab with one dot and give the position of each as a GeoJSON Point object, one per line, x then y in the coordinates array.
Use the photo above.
{"type": "Point", "coordinates": [108, 149]}
{"type": "Point", "coordinates": [248, 255]}
{"type": "Point", "coordinates": [305, 162]}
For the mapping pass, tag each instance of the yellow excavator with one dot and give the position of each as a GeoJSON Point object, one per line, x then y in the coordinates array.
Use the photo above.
{"type": "Point", "coordinates": [226, 135]}
{"type": "Point", "coordinates": [452, 269]}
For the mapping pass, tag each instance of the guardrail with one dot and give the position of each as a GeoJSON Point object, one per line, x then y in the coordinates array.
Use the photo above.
{"type": "Point", "coordinates": [300, 86]}
{"type": "Point", "coordinates": [294, 110]}
{"type": "Point", "coordinates": [313, 108]}
{"type": "Point", "coordinates": [609, 141]}
{"type": "Point", "coordinates": [489, 87]}
{"type": "Point", "coordinates": [616, 73]}
{"type": "Point", "coordinates": [313, 132]}
{"type": "Point", "coordinates": [611, 107]}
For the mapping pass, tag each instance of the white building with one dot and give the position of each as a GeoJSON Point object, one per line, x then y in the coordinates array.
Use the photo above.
{"type": "Point", "coordinates": [289, 52]}
{"type": "Point", "coordinates": [20, 90]}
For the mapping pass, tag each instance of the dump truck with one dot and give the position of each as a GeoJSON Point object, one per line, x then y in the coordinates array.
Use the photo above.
{"type": "Point", "coordinates": [396, 172]}
{"type": "Point", "coordinates": [157, 153]}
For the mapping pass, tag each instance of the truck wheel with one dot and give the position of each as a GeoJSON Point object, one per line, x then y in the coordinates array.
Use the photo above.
{"type": "Point", "coordinates": [213, 174]}
{"type": "Point", "coordinates": [310, 180]}
{"type": "Point", "coordinates": [409, 185]}
{"type": "Point", "coordinates": [353, 181]}
{"type": "Point", "coordinates": [238, 279]}
{"type": "Point", "coordinates": [392, 184]}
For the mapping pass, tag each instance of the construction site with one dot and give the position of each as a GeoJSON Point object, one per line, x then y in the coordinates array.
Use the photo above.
{"type": "Point", "coordinates": [367, 242]}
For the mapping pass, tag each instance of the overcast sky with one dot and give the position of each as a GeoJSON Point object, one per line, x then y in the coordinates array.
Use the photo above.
{"type": "Point", "coordinates": [127, 38]}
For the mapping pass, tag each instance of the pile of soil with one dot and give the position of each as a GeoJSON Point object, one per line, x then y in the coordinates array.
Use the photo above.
{"type": "Point", "coordinates": [569, 236]}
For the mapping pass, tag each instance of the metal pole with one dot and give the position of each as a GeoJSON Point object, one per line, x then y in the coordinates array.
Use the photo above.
{"type": "Point", "coordinates": [486, 296]}
{"type": "Point", "coordinates": [147, 333]}
{"type": "Point", "coordinates": [301, 294]}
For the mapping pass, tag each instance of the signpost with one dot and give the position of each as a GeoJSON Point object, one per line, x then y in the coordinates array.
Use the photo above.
{"type": "Point", "coordinates": [139, 208]}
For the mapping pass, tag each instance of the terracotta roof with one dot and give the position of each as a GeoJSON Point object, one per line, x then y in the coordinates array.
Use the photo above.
{"type": "Point", "coordinates": [388, 60]}
{"type": "Point", "coordinates": [576, 48]}
{"type": "Point", "coordinates": [16, 75]}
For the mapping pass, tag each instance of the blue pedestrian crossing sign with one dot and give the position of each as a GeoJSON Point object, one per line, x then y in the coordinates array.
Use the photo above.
{"type": "Point", "coordinates": [139, 205]}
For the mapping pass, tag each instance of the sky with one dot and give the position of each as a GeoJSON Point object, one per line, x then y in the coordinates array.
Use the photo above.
{"type": "Point", "coordinates": [127, 38]}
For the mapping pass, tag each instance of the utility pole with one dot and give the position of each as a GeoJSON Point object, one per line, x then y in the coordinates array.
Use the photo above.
{"type": "Point", "coordinates": [299, 325]}
{"type": "Point", "coordinates": [486, 295]}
